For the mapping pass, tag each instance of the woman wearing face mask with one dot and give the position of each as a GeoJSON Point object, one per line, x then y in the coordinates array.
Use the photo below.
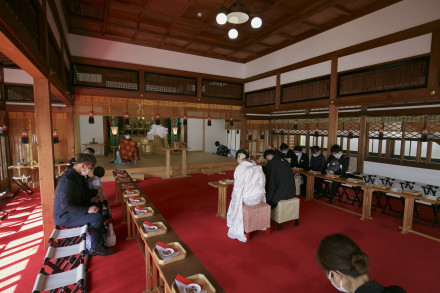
{"type": "Point", "coordinates": [337, 164]}
{"type": "Point", "coordinates": [346, 266]}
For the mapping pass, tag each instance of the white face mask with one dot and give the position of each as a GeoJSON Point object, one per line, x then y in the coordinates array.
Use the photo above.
{"type": "Point", "coordinates": [297, 154]}
{"type": "Point", "coordinates": [342, 289]}
{"type": "Point", "coordinates": [284, 152]}
{"type": "Point", "coordinates": [127, 137]}
{"type": "Point", "coordinates": [315, 155]}
{"type": "Point", "coordinates": [85, 173]}
{"type": "Point", "coordinates": [337, 156]}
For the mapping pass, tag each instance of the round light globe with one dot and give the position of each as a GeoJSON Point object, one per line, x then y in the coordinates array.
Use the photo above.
{"type": "Point", "coordinates": [221, 18]}
{"type": "Point", "coordinates": [256, 22]}
{"type": "Point", "coordinates": [233, 33]}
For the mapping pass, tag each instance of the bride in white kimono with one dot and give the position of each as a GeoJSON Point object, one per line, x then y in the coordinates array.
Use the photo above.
{"type": "Point", "coordinates": [249, 189]}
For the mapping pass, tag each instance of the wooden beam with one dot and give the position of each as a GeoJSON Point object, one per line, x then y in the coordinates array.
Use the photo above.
{"type": "Point", "coordinates": [434, 62]}
{"type": "Point", "coordinates": [278, 91]}
{"type": "Point", "coordinates": [43, 121]}
{"type": "Point", "coordinates": [107, 8]}
{"type": "Point", "coordinates": [2, 88]}
{"type": "Point", "coordinates": [333, 108]}
{"type": "Point", "coordinates": [71, 133]}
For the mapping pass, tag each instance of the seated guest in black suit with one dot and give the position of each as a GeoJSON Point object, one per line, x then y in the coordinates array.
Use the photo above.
{"type": "Point", "coordinates": [75, 204]}
{"type": "Point", "coordinates": [337, 164]}
{"type": "Point", "coordinates": [222, 150]}
{"type": "Point", "coordinates": [286, 153]}
{"type": "Point", "coordinates": [317, 163]}
{"type": "Point", "coordinates": [280, 183]}
{"type": "Point", "coordinates": [301, 160]}
{"type": "Point", "coordinates": [347, 266]}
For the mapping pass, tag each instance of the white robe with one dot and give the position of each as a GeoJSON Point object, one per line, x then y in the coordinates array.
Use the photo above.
{"type": "Point", "coordinates": [249, 189]}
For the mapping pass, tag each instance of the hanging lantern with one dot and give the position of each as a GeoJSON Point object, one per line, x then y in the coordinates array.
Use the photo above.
{"type": "Point", "coordinates": [231, 122]}
{"type": "Point", "coordinates": [157, 119]}
{"type": "Point", "coordinates": [126, 119]}
{"type": "Point", "coordinates": [227, 131]}
{"type": "Point", "coordinates": [185, 122]}
{"type": "Point", "coordinates": [5, 130]}
{"type": "Point", "coordinates": [262, 135]}
{"type": "Point", "coordinates": [91, 118]}
{"type": "Point", "coordinates": [350, 134]}
{"type": "Point", "coordinates": [24, 137]}
{"type": "Point", "coordinates": [316, 133]}
{"type": "Point", "coordinates": [209, 121]}
{"type": "Point", "coordinates": [238, 131]}
{"type": "Point", "coordinates": [295, 125]}
{"type": "Point", "coordinates": [250, 136]}
{"type": "Point", "coordinates": [424, 136]}
{"type": "Point", "coordinates": [55, 137]}
{"type": "Point", "coordinates": [380, 134]}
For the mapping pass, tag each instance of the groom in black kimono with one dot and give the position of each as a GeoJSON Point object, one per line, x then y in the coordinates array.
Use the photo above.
{"type": "Point", "coordinates": [280, 183]}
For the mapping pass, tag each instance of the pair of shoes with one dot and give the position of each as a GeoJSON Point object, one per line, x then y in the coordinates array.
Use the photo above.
{"type": "Point", "coordinates": [332, 199]}
{"type": "Point", "coordinates": [102, 251]}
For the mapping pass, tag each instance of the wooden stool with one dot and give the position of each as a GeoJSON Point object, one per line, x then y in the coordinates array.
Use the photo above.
{"type": "Point", "coordinates": [286, 210]}
{"type": "Point", "coordinates": [256, 217]}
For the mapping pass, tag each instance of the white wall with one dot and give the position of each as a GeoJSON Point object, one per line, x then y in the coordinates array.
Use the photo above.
{"type": "Point", "coordinates": [17, 76]}
{"type": "Point", "coordinates": [195, 134]}
{"type": "Point", "coordinates": [394, 18]}
{"type": "Point", "coordinates": [214, 133]}
{"type": "Point", "coordinates": [90, 131]}
{"type": "Point", "coordinates": [320, 69]}
{"type": "Point", "coordinates": [403, 49]}
{"type": "Point", "coordinates": [122, 52]}
{"type": "Point", "coordinates": [270, 81]}
{"type": "Point", "coordinates": [421, 175]}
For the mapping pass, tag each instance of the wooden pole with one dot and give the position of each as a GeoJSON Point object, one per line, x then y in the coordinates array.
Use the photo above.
{"type": "Point", "coordinates": [434, 62]}
{"type": "Point", "coordinates": [43, 121]}
{"type": "Point", "coordinates": [243, 133]}
{"type": "Point", "coordinates": [70, 133]}
{"type": "Point", "coordinates": [361, 143]}
{"type": "Point", "coordinates": [333, 109]}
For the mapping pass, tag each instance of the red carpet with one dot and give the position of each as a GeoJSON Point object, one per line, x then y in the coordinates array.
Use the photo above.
{"type": "Point", "coordinates": [283, 261]}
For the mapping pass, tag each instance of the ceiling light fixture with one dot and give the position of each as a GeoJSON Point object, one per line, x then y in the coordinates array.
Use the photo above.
{"type": "Point", "coordinates": [237, 13]}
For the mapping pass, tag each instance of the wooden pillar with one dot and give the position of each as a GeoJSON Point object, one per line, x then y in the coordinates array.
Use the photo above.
{"type": "Point", "coordinates": [333, 109]}
{"type": "Point", "coordinates": [43, 121]}
{"type": "Point", "coordinates": [77, 134]}
{"type": "Point", "coordinates": [278, 91]}
{"type": "Point", "coordinates": [70, 133]}
{"type": "Point", "coordinates": [2, 88]}
{"type": "Point", "coordinates": [243, 133]}
{"type": "Point", "coordinates": [361, 143]}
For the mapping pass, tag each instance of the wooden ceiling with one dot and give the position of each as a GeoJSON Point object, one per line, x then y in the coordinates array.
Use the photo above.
{"type": "Point", "coordinates": [189, 26]}
{"type": "Point", "coordinates": [6, 62]}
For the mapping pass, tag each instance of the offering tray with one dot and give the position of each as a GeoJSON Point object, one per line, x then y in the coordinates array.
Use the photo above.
{"type": "Point", "coordinates": [177, 247]}
{"type": "Point", "coordinates": [149, 213]}
{"type": "Point", "coordinates": [158, 224]}
{"type": "Point", "coordinates": [142, 201]}
{"type": "Point", "coordinates": [383, 186]}
{"type": "Point", "coordinates": [199, 279]}
{"type": "Point", "coordinates": [413, 192]}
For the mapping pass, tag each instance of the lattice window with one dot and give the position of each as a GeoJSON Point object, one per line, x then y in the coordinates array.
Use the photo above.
{"type": "Point", "coordinates": [18, 93]}
{"type": "Point", "coordinates": [222, 89]}
{"type": "Point", "coordinates": [170, 84]}
{"type": "Point", "coordinates": [260, 98]}
{"type": "Point", "coordinates": [408, 74]}
{"type": "Point", "coordinates": [103, 77]}
{"type": "Point", "coordinates": [54, 56]}
{"type": "Point", "coordinates": [413, 130]}
{"type": "Point", "coordinates": [433, 129]}
{"type": "Point", "coordinates": [26, 13]}
{"type": "Point", "coordinates": [314, 89]}
{"type": "Point", "coordinates": [393, 130]}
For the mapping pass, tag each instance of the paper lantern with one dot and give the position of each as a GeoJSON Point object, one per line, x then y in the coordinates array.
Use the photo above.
{"type": "Point", "coordinates": [424, 136]}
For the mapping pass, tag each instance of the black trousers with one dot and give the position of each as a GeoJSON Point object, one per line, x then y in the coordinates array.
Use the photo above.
{"type": "Point", "coordinates": [95, 222]}
{"type": "Point", "coordinates": [334, 189]}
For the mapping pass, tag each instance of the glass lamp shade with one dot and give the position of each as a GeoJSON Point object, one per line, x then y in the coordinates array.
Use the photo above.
{"type": "Point", "coordinates": [114, 130]}
{"type": "Point", "coordinates": [221, 18]}
{"type": "Point", "coordinates": [256, 22]}
{"type": "Point", "coordinates": [175, 130]}
{"type": "Point", "coordinates": [233, 33]}
{"type": "Point", "coordinates": [237, 17]}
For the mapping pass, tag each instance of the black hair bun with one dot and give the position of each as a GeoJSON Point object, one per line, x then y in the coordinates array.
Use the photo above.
{"type": "Point", "coordinates": [360, 262]}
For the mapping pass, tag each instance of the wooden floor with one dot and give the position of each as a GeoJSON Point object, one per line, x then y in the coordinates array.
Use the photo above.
{"type": "Point", "coordinates": [154, 165]}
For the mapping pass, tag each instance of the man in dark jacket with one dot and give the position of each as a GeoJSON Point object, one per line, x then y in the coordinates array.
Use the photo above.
{"type": "Point", "coordinates": [74, 203]}
{"type": "Point", "coordinates": [286, 153]}
{"type": "Point", "coordinates": [222, 150]}
{"type": "Point", "coordinates": [337, 164]}
{"type": "Point", "coordinates": [300, 160]}
{"type": "Point", "coordinates": [317, 163]}
{"type": "Point", "coordinates": [277, 152]}
{"type": "Point", "coordinates": [280, 183]}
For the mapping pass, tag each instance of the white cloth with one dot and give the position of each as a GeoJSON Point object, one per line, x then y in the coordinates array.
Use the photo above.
{"type": "Point", "coordinates": [249, 189]}
{"type": "Point", "coordinates": [158, 130]}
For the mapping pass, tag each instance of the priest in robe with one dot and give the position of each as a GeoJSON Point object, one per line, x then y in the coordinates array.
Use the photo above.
{"type": "Point", "coordinates": [249, 182]}
{"type": "Point", "coordinates": [280, 181]}
{"type": "Point", "coordinates": [128, 150]}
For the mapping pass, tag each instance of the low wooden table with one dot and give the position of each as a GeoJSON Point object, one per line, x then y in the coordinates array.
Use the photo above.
{"type": "Point", "coordinates": [168, 161]}
{"type": "Point", "coordinates": [222, 197]}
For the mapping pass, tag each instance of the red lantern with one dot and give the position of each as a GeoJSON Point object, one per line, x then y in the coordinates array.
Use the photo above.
{"type": "Point", "coordinates": [157, 119]}
{"type": "Point", "coordinates": [209, 121]}
{"type": "Point", "coordinates": [350, 134]}
{"type": "Point", "coordinates": [250, 136]}
{"type": "Point", "coordinates": [185, 122]}
{"type": "Point", "coordinates": [126, 119]}
{"type": "Point", "coordinates": [381, 134]}
{"type": "Point", "coordinates": [424, 136]}
{"type": "Point", "coordinates": [55, 137]}
{"type": "Point", "coordinates": [262, 135]}
{"type": "Point", "coordinates": [316, 133]}
{"type": "Point", "coordinates": [24, 137]}
{"type": "Point", "coordinates": [231, 122]}
{"type": "Point", "coordinates": [295, 125]}
{"type": "Point", "coordinates": [91, 118]}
